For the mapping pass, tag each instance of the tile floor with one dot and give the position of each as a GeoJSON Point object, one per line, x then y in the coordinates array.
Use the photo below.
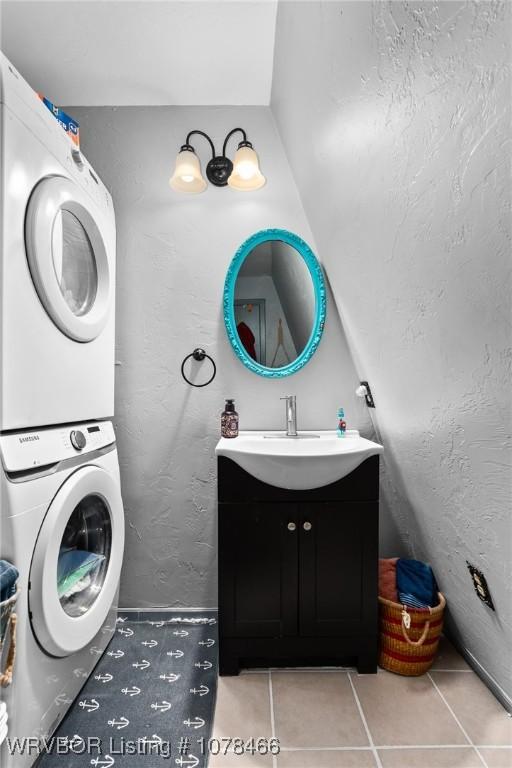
{"type": "Point", "coordinates": [334, 718]}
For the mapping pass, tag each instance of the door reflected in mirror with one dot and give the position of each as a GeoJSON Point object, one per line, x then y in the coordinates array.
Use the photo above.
{"type": "Point", "coordinates": [274, 304]}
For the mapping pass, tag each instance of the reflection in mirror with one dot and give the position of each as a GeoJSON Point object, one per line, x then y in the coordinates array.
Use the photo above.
{"type": "Point", "coordinates": [274, 304]}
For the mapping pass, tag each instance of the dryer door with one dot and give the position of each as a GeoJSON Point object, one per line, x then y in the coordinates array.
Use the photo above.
{"type": "Point", "coordinates": [68, 258]}
{"type": "Point", "coordinates": [77, 562]}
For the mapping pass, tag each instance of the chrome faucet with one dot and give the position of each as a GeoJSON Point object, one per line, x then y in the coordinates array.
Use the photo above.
{"type": "Point", "coordinates": [291, 415]}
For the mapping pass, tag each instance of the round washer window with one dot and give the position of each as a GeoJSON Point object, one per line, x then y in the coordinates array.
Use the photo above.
{"type": "Point", "coordinates": [84, 555]}
{"type": "Point", "coordinates": [74, 262]}
{"type": "Point", "coordinates": [66, 237]}
{"type": "Point", "coordinates": [85, 517]}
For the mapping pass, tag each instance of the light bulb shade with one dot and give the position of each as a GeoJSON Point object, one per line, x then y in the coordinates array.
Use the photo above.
{"type": "Point", "coordinates": [246, 174]}
{"type": "Point", "coordinates": [187, 175]}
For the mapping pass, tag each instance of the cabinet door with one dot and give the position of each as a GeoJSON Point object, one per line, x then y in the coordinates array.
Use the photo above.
{"type": "Point", "coordinates": [338, 568]}
{"type": "Point", "coordinates": [258, 561]}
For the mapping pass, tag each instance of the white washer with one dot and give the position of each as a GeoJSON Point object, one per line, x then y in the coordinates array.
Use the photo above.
{"type": "Point", "coordinates": [57, 270]}
{"type": "Point", "coordinates": [57, 497]}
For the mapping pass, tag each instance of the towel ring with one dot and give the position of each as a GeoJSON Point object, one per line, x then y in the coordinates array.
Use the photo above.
{"type": "Point", "coordinates": [199, 355]}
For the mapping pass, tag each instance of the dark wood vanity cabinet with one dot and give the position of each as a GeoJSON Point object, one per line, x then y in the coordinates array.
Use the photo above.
{"type": "Point", "coordinates": [298, 571]}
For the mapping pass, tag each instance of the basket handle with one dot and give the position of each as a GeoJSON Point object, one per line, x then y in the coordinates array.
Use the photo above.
{"type": "Point", "coordinates": [6, 677]}
{"type": "Point", "coordinates": [404, 630]}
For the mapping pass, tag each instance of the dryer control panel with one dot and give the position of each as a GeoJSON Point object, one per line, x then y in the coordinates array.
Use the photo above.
{"type": "Point", "coordinates": [38, 448]}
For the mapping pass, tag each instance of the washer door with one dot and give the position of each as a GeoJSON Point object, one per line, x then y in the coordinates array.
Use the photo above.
{"type": "Point", "coordinates": [77, 562]}
{"type": "Point", "coordinates": [67, 258]}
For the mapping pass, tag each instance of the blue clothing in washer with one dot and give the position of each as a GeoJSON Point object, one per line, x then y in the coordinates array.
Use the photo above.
{"type": "Point", "coordinates": [8, 578]}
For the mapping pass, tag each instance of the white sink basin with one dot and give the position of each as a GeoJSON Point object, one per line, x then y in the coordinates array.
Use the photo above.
{"type": "Point", "coordinates": [298, 464]}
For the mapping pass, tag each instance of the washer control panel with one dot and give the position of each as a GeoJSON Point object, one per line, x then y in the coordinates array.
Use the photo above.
{"type": "Point", "coordinates": [38, 448]}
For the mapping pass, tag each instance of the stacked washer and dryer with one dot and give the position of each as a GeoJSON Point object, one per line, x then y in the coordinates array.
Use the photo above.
{"type": "Point", "coordinates": [59, 480]}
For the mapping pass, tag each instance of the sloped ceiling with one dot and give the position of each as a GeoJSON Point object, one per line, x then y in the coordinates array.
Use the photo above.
{"type": "Point", "coordinates": [121, 53]}
{"type": "Point", "coordinates": [398, 141]}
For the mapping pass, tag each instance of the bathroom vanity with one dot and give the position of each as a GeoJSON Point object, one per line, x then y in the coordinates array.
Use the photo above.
{"type": "Point", "coordinates": [298, 511]}
{"type": "Point", "coordinates": [297, 564]}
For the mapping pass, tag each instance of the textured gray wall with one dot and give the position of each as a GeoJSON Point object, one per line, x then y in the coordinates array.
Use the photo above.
{"type": "Point", "coordinates": [401, 158]}
{"type": "Point", "coordinates": [173, 253]}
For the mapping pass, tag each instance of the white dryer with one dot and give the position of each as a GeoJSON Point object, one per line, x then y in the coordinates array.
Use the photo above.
{"type": "Point", "coordinates": [57, 270]}
{"type": "Point", "coordinates": [60, 497]}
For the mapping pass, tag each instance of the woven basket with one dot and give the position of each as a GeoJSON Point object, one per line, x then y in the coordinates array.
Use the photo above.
{"type": "Point", "coordinates": [409, 650]}
{"type": "Point", "coordinates": [8, 620]}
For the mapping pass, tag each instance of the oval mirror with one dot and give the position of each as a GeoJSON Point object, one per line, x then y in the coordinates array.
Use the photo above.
{"type": "Point", "coordinates": [274, 303]}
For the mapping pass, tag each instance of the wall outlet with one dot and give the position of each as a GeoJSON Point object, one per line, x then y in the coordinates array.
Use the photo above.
{"type": "Point", "coordinates": [368, 395]}
{"type": "Point", "coordinates": [480, 585]}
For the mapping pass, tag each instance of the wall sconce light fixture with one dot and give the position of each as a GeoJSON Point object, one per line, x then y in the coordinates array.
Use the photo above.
{"type": "Point", "coordinates": [243, 173]}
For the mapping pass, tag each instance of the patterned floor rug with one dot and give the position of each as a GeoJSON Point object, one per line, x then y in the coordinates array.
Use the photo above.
{"type": "Point", "coordinates": [150, 701]}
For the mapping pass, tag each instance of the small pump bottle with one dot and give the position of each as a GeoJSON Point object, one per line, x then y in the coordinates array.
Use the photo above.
{"type": "Point", "coordinates": [342, 424]}
{"type": "Point", "coordinates": [229, 420]}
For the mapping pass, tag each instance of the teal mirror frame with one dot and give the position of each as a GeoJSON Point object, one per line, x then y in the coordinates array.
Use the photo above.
{"type": "Point", "coordinates": [317, 276]}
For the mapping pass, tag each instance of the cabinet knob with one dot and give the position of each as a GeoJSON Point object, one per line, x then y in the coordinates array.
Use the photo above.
{"type": "Point", "coordinates": [307, 526]}
{"type": "Point", "coordinates": [291, 526]}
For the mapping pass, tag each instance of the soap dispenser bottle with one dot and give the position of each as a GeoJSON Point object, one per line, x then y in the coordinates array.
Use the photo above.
{"type": "Point", "coordinates": [229, 420]}
{"type": "Point", "coordinates": [342, 424]}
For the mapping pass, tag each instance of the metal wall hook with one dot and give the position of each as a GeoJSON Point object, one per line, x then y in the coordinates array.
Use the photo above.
{"type": "Point", "coordinates": [199, 355]}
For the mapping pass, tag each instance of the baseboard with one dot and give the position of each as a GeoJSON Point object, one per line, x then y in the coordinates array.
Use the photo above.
{"type": "Point", "coordinates": [486, 677]}
{"type": "Point", "coordinates": [167, 609]}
